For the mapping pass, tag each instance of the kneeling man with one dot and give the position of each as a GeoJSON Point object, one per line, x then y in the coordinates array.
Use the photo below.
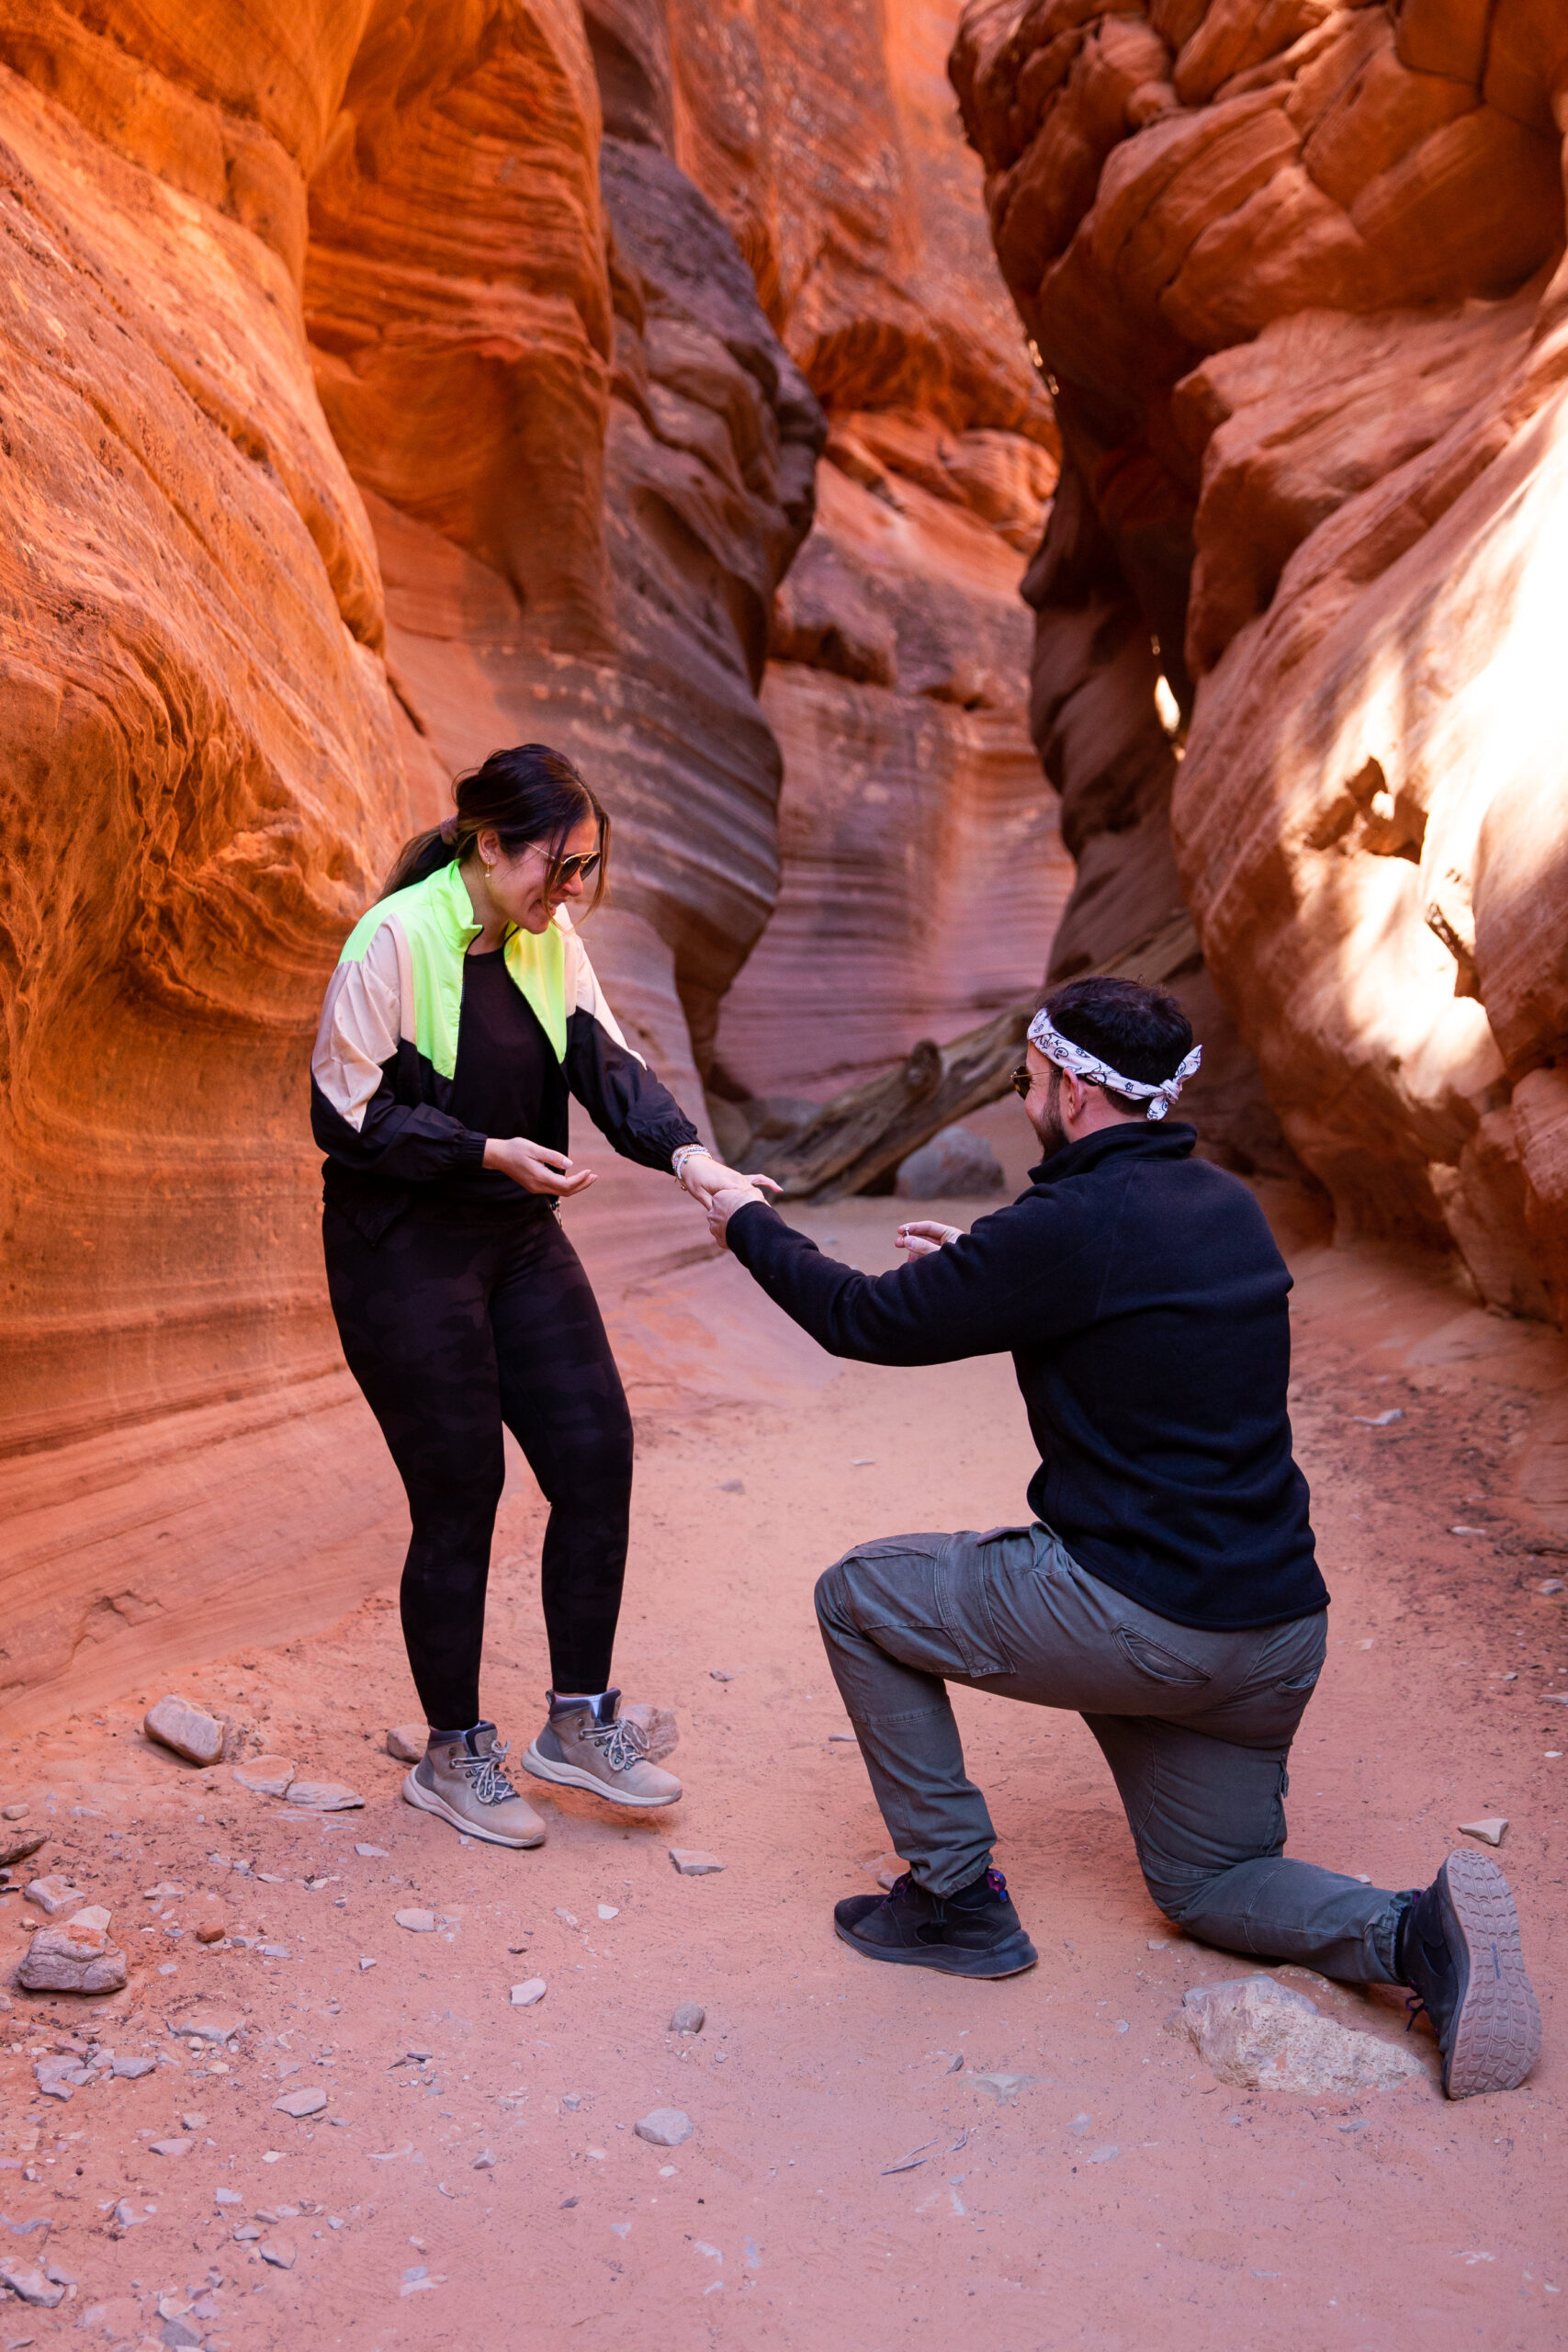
{"type": "Point", "coordinates": [1165, 1587]}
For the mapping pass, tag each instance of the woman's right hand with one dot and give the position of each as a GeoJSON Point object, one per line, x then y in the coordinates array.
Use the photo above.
{"type": "Point", "coordinates": [923, 1235]}
{"type": "Point", "coordinates": [536, 1166]}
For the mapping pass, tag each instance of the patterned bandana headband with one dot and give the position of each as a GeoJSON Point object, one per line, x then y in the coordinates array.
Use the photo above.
{"type": "Point", "coordinates": [1067, 1056]}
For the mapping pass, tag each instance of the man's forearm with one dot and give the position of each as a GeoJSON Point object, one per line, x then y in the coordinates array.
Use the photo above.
{"type": "Point", "coordinates": [845, 1311]}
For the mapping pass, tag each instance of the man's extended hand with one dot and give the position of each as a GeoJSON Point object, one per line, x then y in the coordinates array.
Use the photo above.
{"type": "Point", "coordinates": [921, 1238]}
{"type": "Point", "coordinates": [736, 1194]}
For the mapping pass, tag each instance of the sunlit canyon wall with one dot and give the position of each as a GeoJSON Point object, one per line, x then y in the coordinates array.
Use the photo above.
{"type": "Point", "coordinates": [1295, 271]}
{"type": "Point", "coordinates": [379, 383]}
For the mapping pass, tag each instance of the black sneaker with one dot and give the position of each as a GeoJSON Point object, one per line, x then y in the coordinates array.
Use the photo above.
{"type": "Point", "coordinates": [1459, 1951]}
{"type": "Point", "coordinates": [976, 1932]}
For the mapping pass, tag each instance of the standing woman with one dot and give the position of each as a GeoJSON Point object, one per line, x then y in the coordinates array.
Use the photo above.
{"type": "Point", "coordinates": [462, 1012]}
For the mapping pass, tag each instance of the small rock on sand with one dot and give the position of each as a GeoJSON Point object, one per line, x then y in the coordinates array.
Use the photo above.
{"type": "Point", "coordinates": [129, 2068]}
{"type": "Point", "coordinates": [208, 2023]}
{"type": "Point", "coordinates": [29, 2285]}
{"type": "Point", "coordinates": [1490, 1831]}
{"type": "Point", "coordinates": [608, 1911]}
{"type": "Point", "coordinates": [75, 1958]}
{"type": "Point", "coordinates": [54, 1895]}
{"type": "Point", "coordinates": [693, 1862]}
{"type": "Point", "coordinates": [16, 1845]}
{"type": "Point", "coordinates": [301, 2103]}
{"type": "Point", "coordinates": [657, 1726]}
{"type": "Point", "coordinates": [690, 2018]}
{"type": "Point", "coordinates": [172, 2147]}
{"type": "Point", "coordinates": [323, 1796]}
{"type": "Point", "coordinates": [279, 2252]}
{"type": "Point", "coordinates": [264, 1776]}
{"type": "Point", "coordinates": [418, 1923]}
{"type": "Point", "coordinates": [371, 1853]}
{"type": "Point", "coordinates": [1259, 2035]}
{"type": "Point", "coordinates": [13, 1813]}
{"type": "Point", "coordinates": [407, 1742]}
{"type": "Point", "coordinates": [525, 1995]}
{"type": "Point", "coordinates": [666, 2127]}
{"type": "Point", "coordinates": [187, 1729]}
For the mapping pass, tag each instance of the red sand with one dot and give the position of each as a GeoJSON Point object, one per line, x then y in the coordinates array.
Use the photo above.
{"type": "Point", "coordinates": [1115, 2196]}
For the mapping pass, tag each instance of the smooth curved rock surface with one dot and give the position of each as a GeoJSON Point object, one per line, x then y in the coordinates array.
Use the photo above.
{"type": "Point", "coordinates": [1292, 273]}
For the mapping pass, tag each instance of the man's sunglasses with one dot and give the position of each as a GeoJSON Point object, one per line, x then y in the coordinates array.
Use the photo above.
{"type": "Point", "coordinates": [1022, 1081]}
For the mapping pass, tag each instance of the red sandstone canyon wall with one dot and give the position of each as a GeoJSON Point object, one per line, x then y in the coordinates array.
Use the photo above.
{"type": "Point", "coordinates": [1295, 274]}
{"type": "Point", "coordinates": [921, 872]}
{"type": "Point", "coordinates": [378, 384]}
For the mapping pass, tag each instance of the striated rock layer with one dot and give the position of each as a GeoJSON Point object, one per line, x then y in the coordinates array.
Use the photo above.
{"type": "Point", "coordinates": [215, 733]}
{"type": "Point", "coordinates": [1294, 272]}
{"type": "Point", "coordinates": [382, 383]}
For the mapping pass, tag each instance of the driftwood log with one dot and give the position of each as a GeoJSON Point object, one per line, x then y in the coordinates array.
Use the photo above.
{"type": "Point", "coordinates": [859, 1135]}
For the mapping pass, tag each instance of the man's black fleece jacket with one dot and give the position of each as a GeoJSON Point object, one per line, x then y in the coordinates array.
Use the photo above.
{"type": "Point", "coordinates": [1142, 1300]}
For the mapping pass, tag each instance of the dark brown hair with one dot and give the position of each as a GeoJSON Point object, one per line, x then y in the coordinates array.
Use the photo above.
{"type": "Point", "coordinates": [1142, 1032]}
{"type": "Point", "coordinates": [527, 795]}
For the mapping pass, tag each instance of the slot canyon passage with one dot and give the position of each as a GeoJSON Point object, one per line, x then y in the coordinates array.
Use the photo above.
{"type": "Point", "coordinates": [983, 492]}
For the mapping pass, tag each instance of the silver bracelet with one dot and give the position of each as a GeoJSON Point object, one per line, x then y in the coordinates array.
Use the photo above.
{"type": "Point", "coordinates": [683, 1152]}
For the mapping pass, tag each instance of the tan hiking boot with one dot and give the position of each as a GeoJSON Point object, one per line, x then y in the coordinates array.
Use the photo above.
{"type": "Point", "coordinates": [462, 1782]}
{"type": "Point", "coordinates": [585, 1744]}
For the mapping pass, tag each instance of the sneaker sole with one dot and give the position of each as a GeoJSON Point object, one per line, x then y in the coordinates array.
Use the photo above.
{"type": "Point", "coordinates": [428, 1801]}
{"type": "Point", "coordinates": [572, 1776]}
{"type": "Point", "coordinates": [1008, 1960]}
{"type": "Point", "coordinates": [1496, 2029]}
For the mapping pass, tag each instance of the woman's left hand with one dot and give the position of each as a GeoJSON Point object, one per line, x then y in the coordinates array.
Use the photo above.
{"type": "Point", "coordinates": [705, 1177]}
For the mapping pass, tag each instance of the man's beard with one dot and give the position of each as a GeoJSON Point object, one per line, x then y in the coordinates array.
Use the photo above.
{"type": "Point", "coordinates": [1053, 1134]}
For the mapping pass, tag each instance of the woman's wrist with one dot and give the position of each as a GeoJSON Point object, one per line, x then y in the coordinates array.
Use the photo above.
{"type": "Point", "coordinates": [683, 1153]}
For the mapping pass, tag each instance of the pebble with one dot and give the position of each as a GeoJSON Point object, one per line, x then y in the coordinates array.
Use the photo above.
{"type": "Point", "coordinates": [693, 1862]}
{"type": "Point", "coordinates": [188, 1729]}
{"type": "Point", "coordinates": [13, 1813]}
{"type": "Point", "coordinates": [731, 1486]}
{"type": "Point", "coordinates": [567, 1918]}
{"type": "Point", "coordinates": [365, 1961]}
{"type": "Point", "coordinates": [418, 1923]}
{"type": "Point", "coordinates": [1489, 1832]}
{"type": "Point", "coordinates": [1552, 1584]}
{"type": "Point", "coordinates": [298, 2104]}
{"type": "Point", "coordinates": [665, 2126]}
{"type": "Point", "coordinates": [246, 2234]}
{"type": "Point", "coordinates": [207, 2024]}
{"type": "Point", "coordinates": [19, 1844]}
{"type": "Point", "coordinates": [371, 1853]}
{"type": "Point", "coordinates": [29, 2285]}
{"type": "Point", "coordinates": [484, 2161]}
{"type": "Point", "coordinates": [129, 2069]}
{"type": "Point", "coordinates": [264, 1776]}
{"type": "Point", "coordinates": [75, 1958]}
{"type": "Point", "coordinates": [690, 2018]}
{"type": "Point", "coordinates": [172, 2147]}
{"type": "Point", "coordinates": [609, 1911]}
{"type": "Point", "coordinates": [407, 1742]}
{"type": "Point", "coordinates": [717, 1674]}
{"type": "Point", "coordinates": [54, 1895]}
{"type": "Point", "coordinates": [523, 1996]}
{"type": "Point", "coordinates": [227, 2196]}
{"type": "Point", "coordinates": [323, 1796]}
{"type": "Point", "coordinates": [279, 2252]}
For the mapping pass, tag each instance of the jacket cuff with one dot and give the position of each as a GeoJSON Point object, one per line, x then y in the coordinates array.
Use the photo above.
{"type": "Point", "coordinates": [753, 1210]}
{"type": "Point", "coordinates": [471, 1150]}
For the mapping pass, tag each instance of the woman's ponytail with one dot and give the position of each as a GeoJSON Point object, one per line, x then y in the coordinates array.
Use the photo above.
{"type": "Point", "coordinates": [528, 796]}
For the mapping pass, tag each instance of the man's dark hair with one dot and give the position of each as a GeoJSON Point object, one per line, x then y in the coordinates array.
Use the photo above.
{"type": "Point", "coordinates": [1142, 1033]}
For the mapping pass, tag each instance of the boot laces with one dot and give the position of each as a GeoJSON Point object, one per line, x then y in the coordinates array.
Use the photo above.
{"type": "Point", "coordinates": [622, 1744]}
{"type": "Point", "coordinates": [1414, 2007]}
{"type": "Point", "coordinates": [486, 1778]}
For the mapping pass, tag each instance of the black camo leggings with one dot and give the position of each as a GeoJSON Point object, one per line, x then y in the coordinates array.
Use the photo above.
{"type": "Point", "coordinates": [454, 1322]}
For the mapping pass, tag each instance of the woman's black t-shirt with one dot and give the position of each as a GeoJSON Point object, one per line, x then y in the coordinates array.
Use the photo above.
{"type": "Point", "coordinates": [506, 1075]}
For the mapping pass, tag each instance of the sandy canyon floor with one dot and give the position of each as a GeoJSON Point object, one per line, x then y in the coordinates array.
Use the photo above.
{"type": "Point", "coordinates": [1069, 2170]}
